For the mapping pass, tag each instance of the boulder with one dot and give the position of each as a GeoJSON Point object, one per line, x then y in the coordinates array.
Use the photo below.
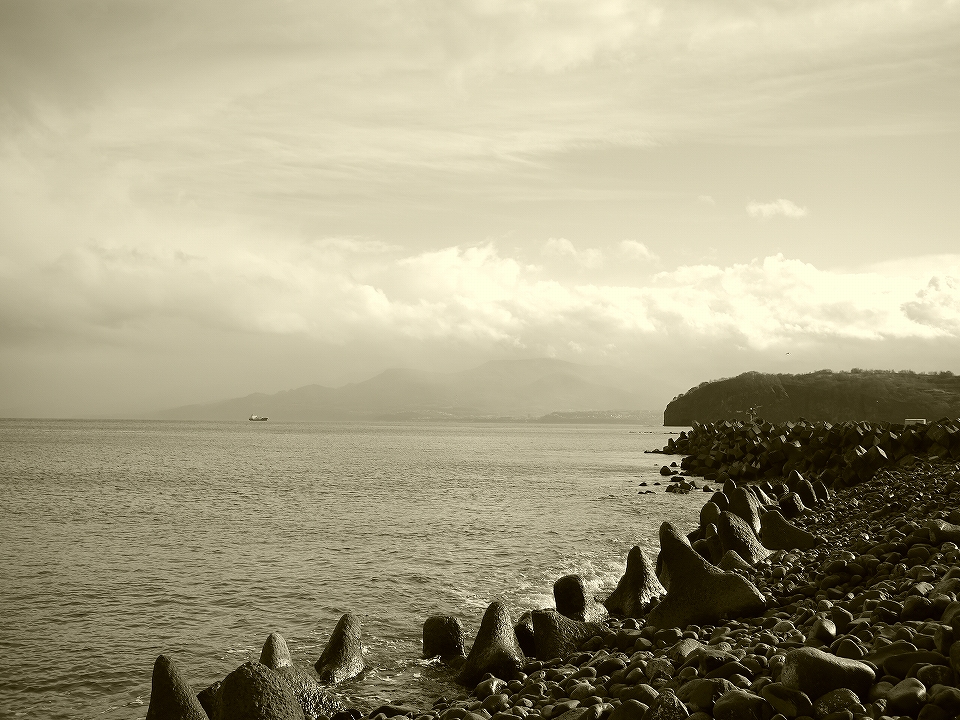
{"type": "Point", "coordinates": [698, 591]}
{"type": "Point", "coordinates": [209, 699]}
{"type": "Point", "coordinates": [815, 673]}
{"type": "Point", "coordinates": [342, 658]}
{"type": "Point", "coordinates": [735, 534]}
{"type": "Point", "coordinates": [731, 560]}
{"type": "Point", "coordinates": [495, 649]}
{"type": "Point", "coordinates": [255, 692]}
{"type": "Point", "coordinates": [667, 706]}
{"type": "Point", "coordinates": [806, 492]}
{"type": "Point", "coordinates": [570, 595]}
{"type": "Point", "coordinates": [275, 652]}
{"type": "Point", "coordinates": [778, 533]}
{"type": "Point", "coordinates": [739, 704]}
{"type": "Point", "coordinates": [556, 635]}
{"type": "Point", "coordinates": [638, 586]}
{"type": "Point", "coordinates": [171, 697]}
{"type": "Point", "coordinates": [443, 637]}
{"type": "Point", "coordinates": [709, 514]}
{"type": "Point", "coordinates": [941, 531]}
{"type": "Point", "coordinates": [744, 504]}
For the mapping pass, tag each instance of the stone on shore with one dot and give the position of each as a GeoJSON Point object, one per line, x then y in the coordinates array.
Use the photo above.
{"type": "Point", "coordinates": [443, 637]}
{"type": "Point", "coordinates": [275, 653]}
{"type": "Point", "coordinates": [570, 595]}
{"type": "Point", "coordinates": [791, 506]}
{"type": "Point", "coordinates": [342, 658]}
{"type": "Point", "coordinates": [815, 673]}
{"type": "Point", "coordinates": [313, 698]}
{"type": "Point", "coordinates": [637, 588]}
{"type": "Point", "coordinates": [255, 692]}
{"type": "Point", "coordinates": [556, 635]}
{"type": "Point", "coordinates": [523, 629]}
{"type": "Point", "coordinates": [495, 649]}
{"type": "Point", "coordinates": [699, 593]}
{"type": "Point", "coordinates": [778, 533]}
{"type": "Point", "coordinates": [171, 697]}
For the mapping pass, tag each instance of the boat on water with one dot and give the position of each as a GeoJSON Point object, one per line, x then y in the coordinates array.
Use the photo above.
{"type": "Point", "coordinates": [258, 417]}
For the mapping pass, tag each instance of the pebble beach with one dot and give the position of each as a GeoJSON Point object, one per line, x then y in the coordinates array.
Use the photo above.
{"type": "Point", "coordinates": [808, 600]}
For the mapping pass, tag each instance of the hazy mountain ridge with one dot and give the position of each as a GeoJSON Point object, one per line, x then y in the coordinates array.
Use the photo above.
{"type": "Point", "coordinates": [506, 389]}
{"type": "Point", "coordinates": [872, 395]}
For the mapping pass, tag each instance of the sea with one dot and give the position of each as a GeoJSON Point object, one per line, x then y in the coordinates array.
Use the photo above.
{"type": "Point", "coordinates": [122, 540]}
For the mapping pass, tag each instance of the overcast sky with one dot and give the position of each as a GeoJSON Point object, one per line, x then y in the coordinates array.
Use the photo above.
{"type": "Point", "coordinates": [202, 199]}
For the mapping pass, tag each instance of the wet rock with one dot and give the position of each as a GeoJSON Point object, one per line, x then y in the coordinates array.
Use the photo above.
{"type": "Point", "coordinates": [495, 649]}
{"type": "Point", "coordinates": [275, 652]}
{"type": "Point", "coordinates": [171, 697]}
{"type": "Point", "coordinates": [735, 534]}
{"type": "Point", "coordinates": [787, 701]}
{"type": "Point", "coordinates": [778, 533]}
{"type": "Point", "coordinates": [816, 673]}
{"type": "Point", "coordinates": [700, 694]}
{"type": "Point", "coordinates": [254, 692]}
{"type": "Point", "coordinates": [699, 592]}
{"type": "Point", "coordinates": [637, 588]}
{"type": "Point", "coordinates": [837, 700]}
{"type": "Point", "coordinates": [443, 637]}
{"type": "Point", "coordinates": [629, 710]}
{"type": "Point", "coordinates": [342, 658]}
{"type": "Point", "coordinates": [558, 636]}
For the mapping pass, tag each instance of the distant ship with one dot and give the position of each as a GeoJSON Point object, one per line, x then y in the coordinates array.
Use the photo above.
{"type": "Point", "coordinates": [257, 417]}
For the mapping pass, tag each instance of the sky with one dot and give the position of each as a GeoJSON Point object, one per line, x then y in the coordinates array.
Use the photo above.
{"type": "Point", "coordinates": [200, 199]}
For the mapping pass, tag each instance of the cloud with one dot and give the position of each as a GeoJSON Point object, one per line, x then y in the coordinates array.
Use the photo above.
{"type": "Point", "coordinates": [937, 305]}
{"type": "Point", "coordinates": [637, 250]}
{"type": "Point", "coordinates": [563, 248]}
{"type": "Point", "coordinates": [783, 207]}
{"type": "Point", "coordinates": [706, 199]}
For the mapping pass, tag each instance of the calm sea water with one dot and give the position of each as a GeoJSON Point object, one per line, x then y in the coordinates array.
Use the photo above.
{"type": "Point", "coordinates": [123, 540]}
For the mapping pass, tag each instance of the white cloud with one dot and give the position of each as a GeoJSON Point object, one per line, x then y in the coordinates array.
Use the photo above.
{"type": "Point", "coordinates": [637, 250]}
{"type": "Point", "coordinates": [783, 207]}
{"type": "Point", "coordinates": [706, 199]}
{"type": "Point", "coordinates": [561, 247]}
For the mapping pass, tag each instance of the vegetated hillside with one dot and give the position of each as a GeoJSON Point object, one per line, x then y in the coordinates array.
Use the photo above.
{"type": "Point", "coordinates": [506, 388]}
{"type": "Point", "coordinates": [871, 395]}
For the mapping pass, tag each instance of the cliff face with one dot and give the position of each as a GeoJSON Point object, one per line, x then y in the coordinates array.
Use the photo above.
{"type": "Point", "coordinates": [871, 395]}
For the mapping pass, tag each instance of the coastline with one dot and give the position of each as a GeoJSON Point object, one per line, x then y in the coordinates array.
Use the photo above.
{"type": "Point", "coordinates": [860, 624]}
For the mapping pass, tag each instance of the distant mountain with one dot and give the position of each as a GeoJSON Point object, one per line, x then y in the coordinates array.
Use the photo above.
{"type": "Point", "coordinates": [500, 388]}
{"type": "Point", "coordinates": [872, 395]}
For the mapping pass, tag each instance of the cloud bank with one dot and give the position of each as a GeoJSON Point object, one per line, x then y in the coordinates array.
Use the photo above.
{"type": "Point", "coordinates": [783, 207]}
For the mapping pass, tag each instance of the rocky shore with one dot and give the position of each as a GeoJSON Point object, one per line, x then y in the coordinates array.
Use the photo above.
{"type": "Point", "coordinates": [821, 583]}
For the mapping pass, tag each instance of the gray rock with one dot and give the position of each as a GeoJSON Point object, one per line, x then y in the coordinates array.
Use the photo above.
{"type": "Point", "coordinates": [778, 533]}
{"type": "Point", "coordinates": [791, 505]}
{"type": "Point", "coordinates": [699, 592]}
{"type": "Point", "coordinates": [342, 658]}
{"type": "Point", "coordinates": [700, 694]}
{"type": "Point", "coordinates": [495, 649]}
{"type": "Point", "coordinates": [171, 697]}
{"type": "Point", "coordinates": [557, 636]}
{"type": "Point", "coordinates": [255, 692]}
{"type": "Point", "coordinates": [816, 673]}
{"type": "Point", "coordinates": [638, 586]}
{"type": "Point", "coordinates": [443, 637]}
{"type": "Point", "coordinates": [787, 701]}
{"type": "Point", "coordinates": [731, 560]}
{"type": "Point", "coordinates": [524, 633]}
{"type": "Point", "coordinates": [275, 652]}
{"type": "Point", "coordinates": [906, 697]}
{"type": "Point", "coordinates": [666, 706]}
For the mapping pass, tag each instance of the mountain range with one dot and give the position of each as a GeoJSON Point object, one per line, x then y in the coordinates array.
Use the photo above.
{"type": "Point", "coordinates": [503, 389]}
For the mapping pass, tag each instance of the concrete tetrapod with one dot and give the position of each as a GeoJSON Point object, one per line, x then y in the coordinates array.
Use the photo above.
{"type": "Point", "coordinates": [275, 652]}
{"type": "Point", "coordinates": [443, 637]}
{"type": "Point", "coordinates": [342, 658]}
{"type": "Point", "coordinates": [254, 692]}
{"type": "Point", "coordinates": [495, 649]}
{"type": "Point", "coordinates": [735, 534]}
{"type": "Point", "coordinates": [699, 593]}
{"type": "Point", "coordinates": [570, 596]}
{"type": "Point", "coordinates": [638, 586]}
{"type": "Point", "coordinates": [555, 635]}
{"type": "Point", "coordinates": [778, 533]}
{"type": "Point", "coordinates": [171, 697]}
